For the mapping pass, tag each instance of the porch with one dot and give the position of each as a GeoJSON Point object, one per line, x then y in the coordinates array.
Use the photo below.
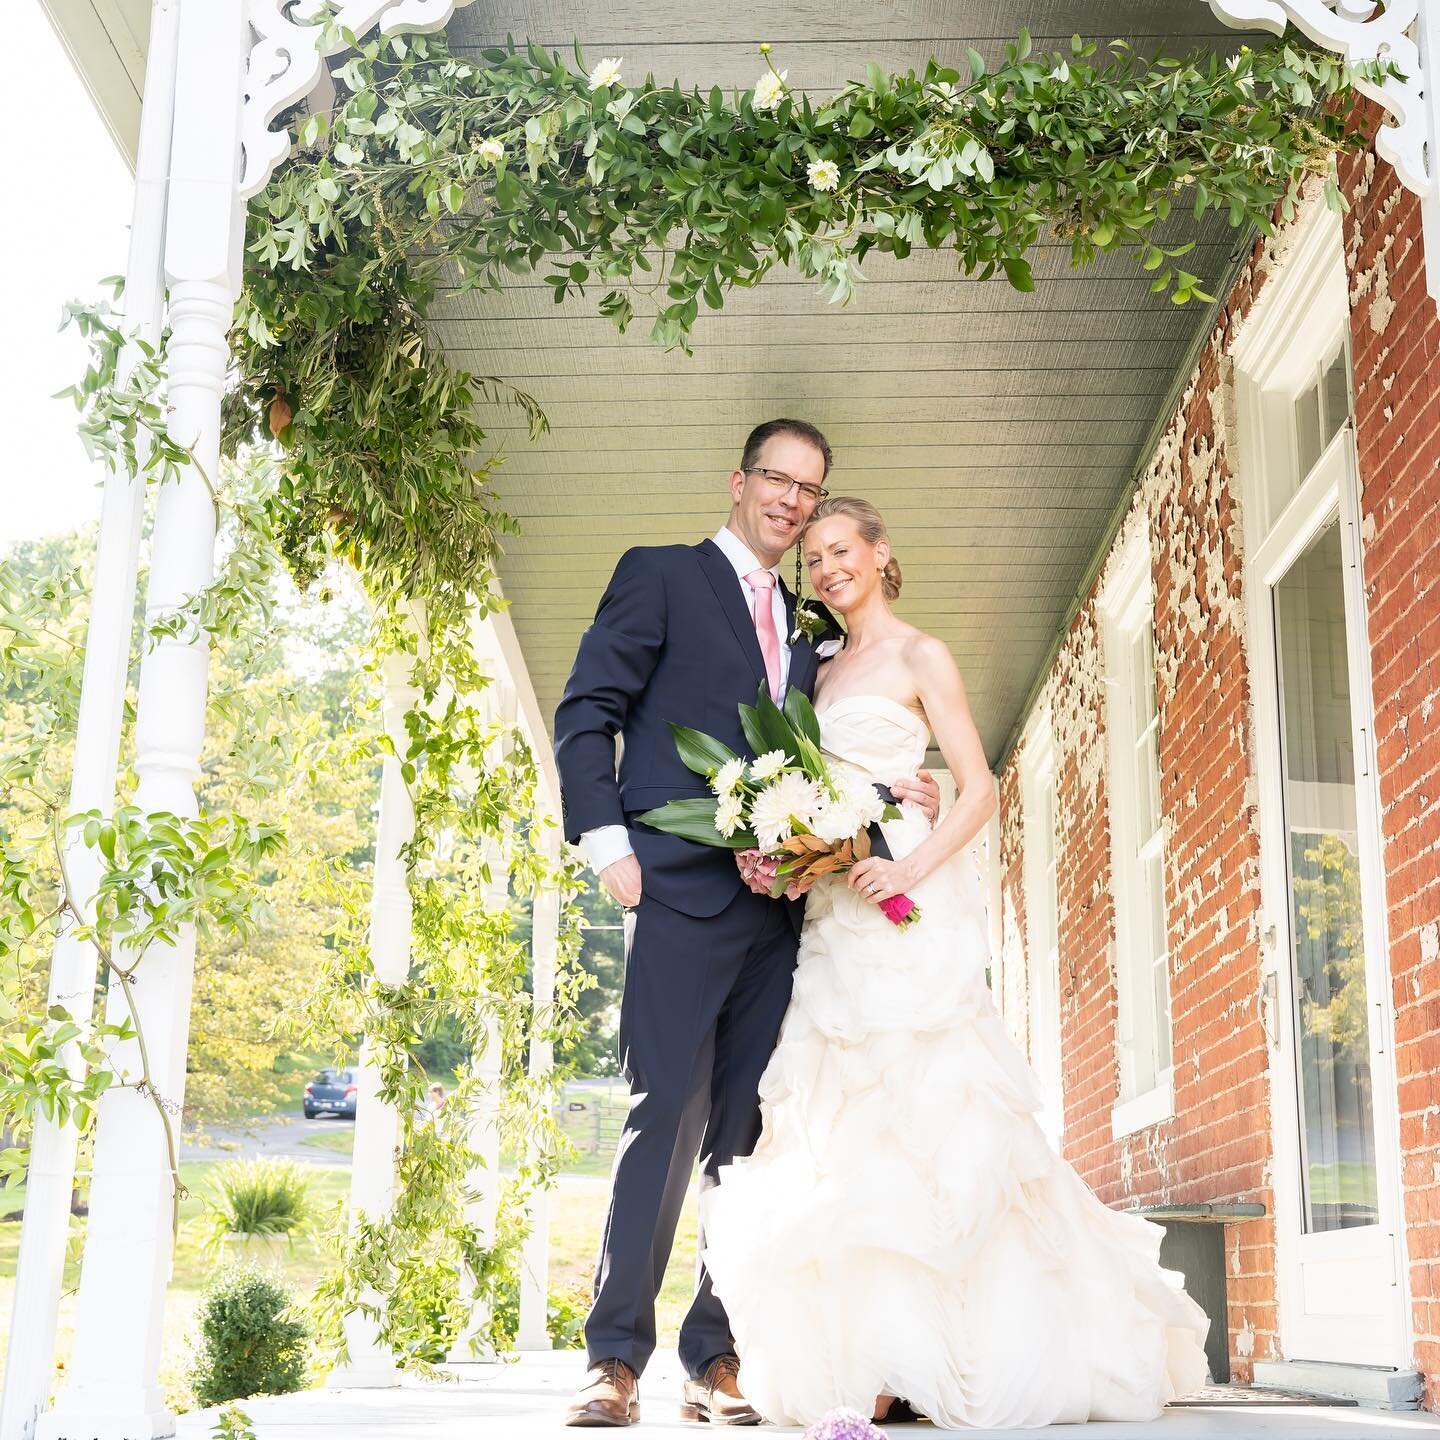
{"type": "Point", "coordinates": [524, 1401]}
{"type": "Point", "coordinates": [1001, 435]}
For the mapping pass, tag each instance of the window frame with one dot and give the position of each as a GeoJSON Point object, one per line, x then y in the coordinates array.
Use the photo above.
{"type": "Point", "coordinates": [1127, 610]}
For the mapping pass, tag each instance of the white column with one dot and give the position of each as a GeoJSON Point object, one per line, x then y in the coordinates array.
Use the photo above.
{"type": "Point", "coordinates": [377, 1122]}
{"type": "Point", "coordinates": [535, 1255]}
{"type": "Point", "coordinates": [50, 1177]}
{"type": "Point", "coordinates": [112, 1390]}
{"type": "Point", "coordinates": [483, 1179]}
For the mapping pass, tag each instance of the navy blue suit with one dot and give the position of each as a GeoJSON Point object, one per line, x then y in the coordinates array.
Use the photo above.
{"type": "Point", "coordinates": [708, 963]}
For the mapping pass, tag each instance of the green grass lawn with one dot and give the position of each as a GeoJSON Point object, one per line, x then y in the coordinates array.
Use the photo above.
{"type": "Point", "coordinates": [194, 1264]}
{"type": "Point", "coordinates": [341, 1140]}
{"type": "Point", "coordinates": [577, 1215]}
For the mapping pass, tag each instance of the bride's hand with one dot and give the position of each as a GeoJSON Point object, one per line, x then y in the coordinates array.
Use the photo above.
{"type": "Point", "coordinates": [923, 790]}
{"type": "Point", "coordinates": [876, 879]}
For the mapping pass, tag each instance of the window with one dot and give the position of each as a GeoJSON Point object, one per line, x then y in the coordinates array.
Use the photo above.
{"type": "Point", "coordinates": [1037, 798]}
{"type": "Point", "coordinates": [1137, 841]}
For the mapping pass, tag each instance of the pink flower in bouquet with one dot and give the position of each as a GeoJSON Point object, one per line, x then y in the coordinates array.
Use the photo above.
{"type": "Point", "coordinates": [757, 870]}
{"type": "Point", "coordinates": [843, 1424]}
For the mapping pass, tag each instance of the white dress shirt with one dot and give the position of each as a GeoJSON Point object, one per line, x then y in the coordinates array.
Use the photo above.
{"type": "Point", "coordinates": [608, 843]}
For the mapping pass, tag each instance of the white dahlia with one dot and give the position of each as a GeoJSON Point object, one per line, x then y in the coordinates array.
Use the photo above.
{"type": "Point", "coordinates": [769, 765]}
{"type": "Point", "coordinates": [836, 820]}
{"type": "Point", "coordinates": [728, 815]}
{"type": "Point", "coordinates": [607, 72]}
{"type": "Point", "coordinates": [769, 90]}
{"type": "Point", "coordinates": [824, 174]}
{"type": "Point", "coordinates": [778, 806]}
{"type": "Point", "coordinates": [728, 776]}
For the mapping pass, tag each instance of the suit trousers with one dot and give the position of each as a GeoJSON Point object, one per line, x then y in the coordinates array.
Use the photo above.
{"type": "Point", "coordinates": [699, 1018]}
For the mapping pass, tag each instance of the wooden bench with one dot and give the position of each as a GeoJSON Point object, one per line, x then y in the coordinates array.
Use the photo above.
{"type": "Point", "coordinates": [1194, 1244]}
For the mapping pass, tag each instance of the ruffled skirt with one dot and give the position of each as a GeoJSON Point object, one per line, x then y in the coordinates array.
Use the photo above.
{"type": "Point", "coordinates": [903, 1225]}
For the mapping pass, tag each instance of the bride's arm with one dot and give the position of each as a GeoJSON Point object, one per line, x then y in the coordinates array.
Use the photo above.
{"type": "Point", "coordinates": [942, 693]}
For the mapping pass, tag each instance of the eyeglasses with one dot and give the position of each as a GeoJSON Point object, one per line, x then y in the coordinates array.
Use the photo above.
{"type": "Point", "coordinates": [779, 483]}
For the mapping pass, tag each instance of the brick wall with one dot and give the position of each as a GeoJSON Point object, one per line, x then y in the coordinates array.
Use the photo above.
{"type": "Point", "coordinates": [1395, 337]}
{"type": "Point", "coordinates": [1218, 1145]}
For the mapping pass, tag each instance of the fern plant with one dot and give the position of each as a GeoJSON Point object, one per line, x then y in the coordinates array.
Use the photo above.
{"type": "Point", "coordinates": [267, 1199]}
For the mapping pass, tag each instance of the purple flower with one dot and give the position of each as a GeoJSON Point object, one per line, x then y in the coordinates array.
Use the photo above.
{"type": "Point", "coordinates": [843, 1424]}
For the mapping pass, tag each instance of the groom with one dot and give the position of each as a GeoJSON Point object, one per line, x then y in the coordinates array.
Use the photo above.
{"type": "Point", "coordinates": [686, 634]}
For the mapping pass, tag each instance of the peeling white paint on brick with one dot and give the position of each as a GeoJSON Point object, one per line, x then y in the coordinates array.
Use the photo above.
{"type": "Point", "coordinates": [1430, 942]}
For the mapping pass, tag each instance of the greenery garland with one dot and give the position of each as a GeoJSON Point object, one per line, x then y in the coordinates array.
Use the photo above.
{"type": "Point", "coordinates": [362, 442]}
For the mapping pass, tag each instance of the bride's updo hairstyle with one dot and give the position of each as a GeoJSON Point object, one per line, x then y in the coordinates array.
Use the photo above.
{"type": "Point", "coordinates": [871, 525]}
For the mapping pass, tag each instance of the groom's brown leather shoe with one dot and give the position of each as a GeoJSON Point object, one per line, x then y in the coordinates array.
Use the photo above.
{"type": "Point", "coordinates": [716, 1396]}
{"type": "Point", "coordinates": [609, 1396]}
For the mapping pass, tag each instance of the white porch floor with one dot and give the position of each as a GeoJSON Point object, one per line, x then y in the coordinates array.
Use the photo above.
{"type": "Point", "coordinates": [524, 1401]}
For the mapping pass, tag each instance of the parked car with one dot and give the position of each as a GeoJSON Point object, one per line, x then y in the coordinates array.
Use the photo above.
{"type": "Point", "coordinates": [331, 1092]}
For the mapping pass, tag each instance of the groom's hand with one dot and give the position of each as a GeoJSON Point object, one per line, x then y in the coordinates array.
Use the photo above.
{"type": "Point", "coordinates": [622, 880]}
{"type": "Point", "coordinates": [922, 790]}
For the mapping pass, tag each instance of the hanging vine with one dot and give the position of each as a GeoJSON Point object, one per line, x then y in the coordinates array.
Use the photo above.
{"type": "Point", "coordinates": [363, 443]}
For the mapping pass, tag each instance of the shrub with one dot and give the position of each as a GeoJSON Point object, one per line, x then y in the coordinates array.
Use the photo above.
{"type": "Point", "coordinates": [260, 1197]}
{"type": "Point", "coordinates": [564, 1316]}
{"type": "Point", "coordinates": [252, 1340]}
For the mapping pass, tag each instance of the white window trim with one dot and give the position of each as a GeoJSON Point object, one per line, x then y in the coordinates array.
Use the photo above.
{"type": "Point", "coordinates": [1127, 603]}
{"type": "Point", "coordinates": [1147, 1109]}
{"type": "Point", "coordinates": [1038, 770]}
{"type": "Point", "coordinates": [1294, 323]}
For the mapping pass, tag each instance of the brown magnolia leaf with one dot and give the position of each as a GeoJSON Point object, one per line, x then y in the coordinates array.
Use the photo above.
{"type": "Point", "coordinates": [862, 845]}
{"type": "Point", "coordinates": [795, 845]}
{"type": "Point", "coordinates": [823, 865]}
{"type": "Point", "coordinates": [846, 853]}
{"type": "Point", "coordinates": [280, 412]}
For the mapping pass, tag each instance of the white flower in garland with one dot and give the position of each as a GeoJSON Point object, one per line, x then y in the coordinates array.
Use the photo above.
{"type": "Point", "coordinates": [769, 90]}
{"type": "Point", "coordinates": [728, 815]}
{"type": "Point", "coordinates": [824, 174]}
{"type": "Point", "coordinates": [491, 151]}
{"type": "Point", "coordinates": [607, 72]}
{"type": "Point", "coordinates": [769, 764]}
{"type": "Point", "coordinates": [776, 808]}
{"type": "Point", "coordinates": [728, 776]}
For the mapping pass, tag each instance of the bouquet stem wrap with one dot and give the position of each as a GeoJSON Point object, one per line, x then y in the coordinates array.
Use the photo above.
{"type": "Point", "coordinates": [900, 910]}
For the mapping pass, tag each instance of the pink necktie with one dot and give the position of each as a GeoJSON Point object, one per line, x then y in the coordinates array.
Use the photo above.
{"type": "Point", "coordinates": [762, 582]}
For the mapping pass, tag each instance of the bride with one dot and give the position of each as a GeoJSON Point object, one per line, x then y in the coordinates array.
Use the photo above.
{"type": "Point", "coordinates": [903, 1229]}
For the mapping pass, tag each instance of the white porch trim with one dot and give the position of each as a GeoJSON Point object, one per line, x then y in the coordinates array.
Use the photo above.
{"type": "Point", "coordinates": [112, 1390]}
{"type": "Point", "coordinates": [1406, 32]}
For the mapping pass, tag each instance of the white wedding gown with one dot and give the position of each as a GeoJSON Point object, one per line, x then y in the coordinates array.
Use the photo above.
{"type": "Point", "coordinates": [903, 1226]}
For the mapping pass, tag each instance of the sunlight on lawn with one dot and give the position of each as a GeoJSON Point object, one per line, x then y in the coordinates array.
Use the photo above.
{"type": "Point", "coordinates": [577, 1216]}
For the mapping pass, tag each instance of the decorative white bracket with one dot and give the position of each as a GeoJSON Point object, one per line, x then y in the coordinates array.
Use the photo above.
{"type": "Point", "coordinates": [287, 64]}
{"type": "Point", "coordinates": [1405, 32]}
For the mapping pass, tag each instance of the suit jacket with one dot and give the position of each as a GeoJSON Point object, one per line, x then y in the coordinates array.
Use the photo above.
{"type": "Point", "coordinates": [672, 640]}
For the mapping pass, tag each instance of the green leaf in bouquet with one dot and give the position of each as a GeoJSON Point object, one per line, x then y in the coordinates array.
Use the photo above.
{"type": "Point", "coordinates": [801, 715]}
{"type": "Point", "coordinates": [754, 735]}
{"type": "Point", "coordinates": [694, 819]}
{"type": "Point", "coordinates": [700, 752]}
{"type": "Point", "coordinates": [778, 732]}
{"type": "Point", "coordinates": [892, 812]}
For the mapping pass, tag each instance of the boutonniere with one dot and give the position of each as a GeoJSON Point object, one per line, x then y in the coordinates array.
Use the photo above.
{"type": "Point", "coordinates": [807, 623]}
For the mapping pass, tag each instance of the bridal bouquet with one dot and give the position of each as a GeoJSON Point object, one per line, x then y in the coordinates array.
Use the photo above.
{"type": "Point", "coordinates": [787, 814]}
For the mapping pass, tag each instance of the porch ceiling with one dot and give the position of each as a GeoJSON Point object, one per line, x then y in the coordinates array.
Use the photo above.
{"type": "Point", "coordinates": [995, 430]}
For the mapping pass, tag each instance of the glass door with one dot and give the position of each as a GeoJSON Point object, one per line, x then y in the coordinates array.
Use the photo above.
{"type": "Point", "coordinates": [1338, 1227]}
{"type": "Point", "coordinates": [1327, 930]}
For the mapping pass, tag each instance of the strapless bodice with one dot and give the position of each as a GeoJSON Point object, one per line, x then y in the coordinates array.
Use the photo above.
{"type": "Point", "coordinates": [874, 734]}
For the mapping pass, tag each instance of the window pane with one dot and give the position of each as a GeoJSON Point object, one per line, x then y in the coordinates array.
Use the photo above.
{"type": "Point", "coordinates": [1307, 431]}
{"type": "Point", "coordinates": [1337, 395]}
{"type": "Point", "coordinates": [1162, 1015]}
{"type": "Point", "coordinates": [1332, 1022]}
